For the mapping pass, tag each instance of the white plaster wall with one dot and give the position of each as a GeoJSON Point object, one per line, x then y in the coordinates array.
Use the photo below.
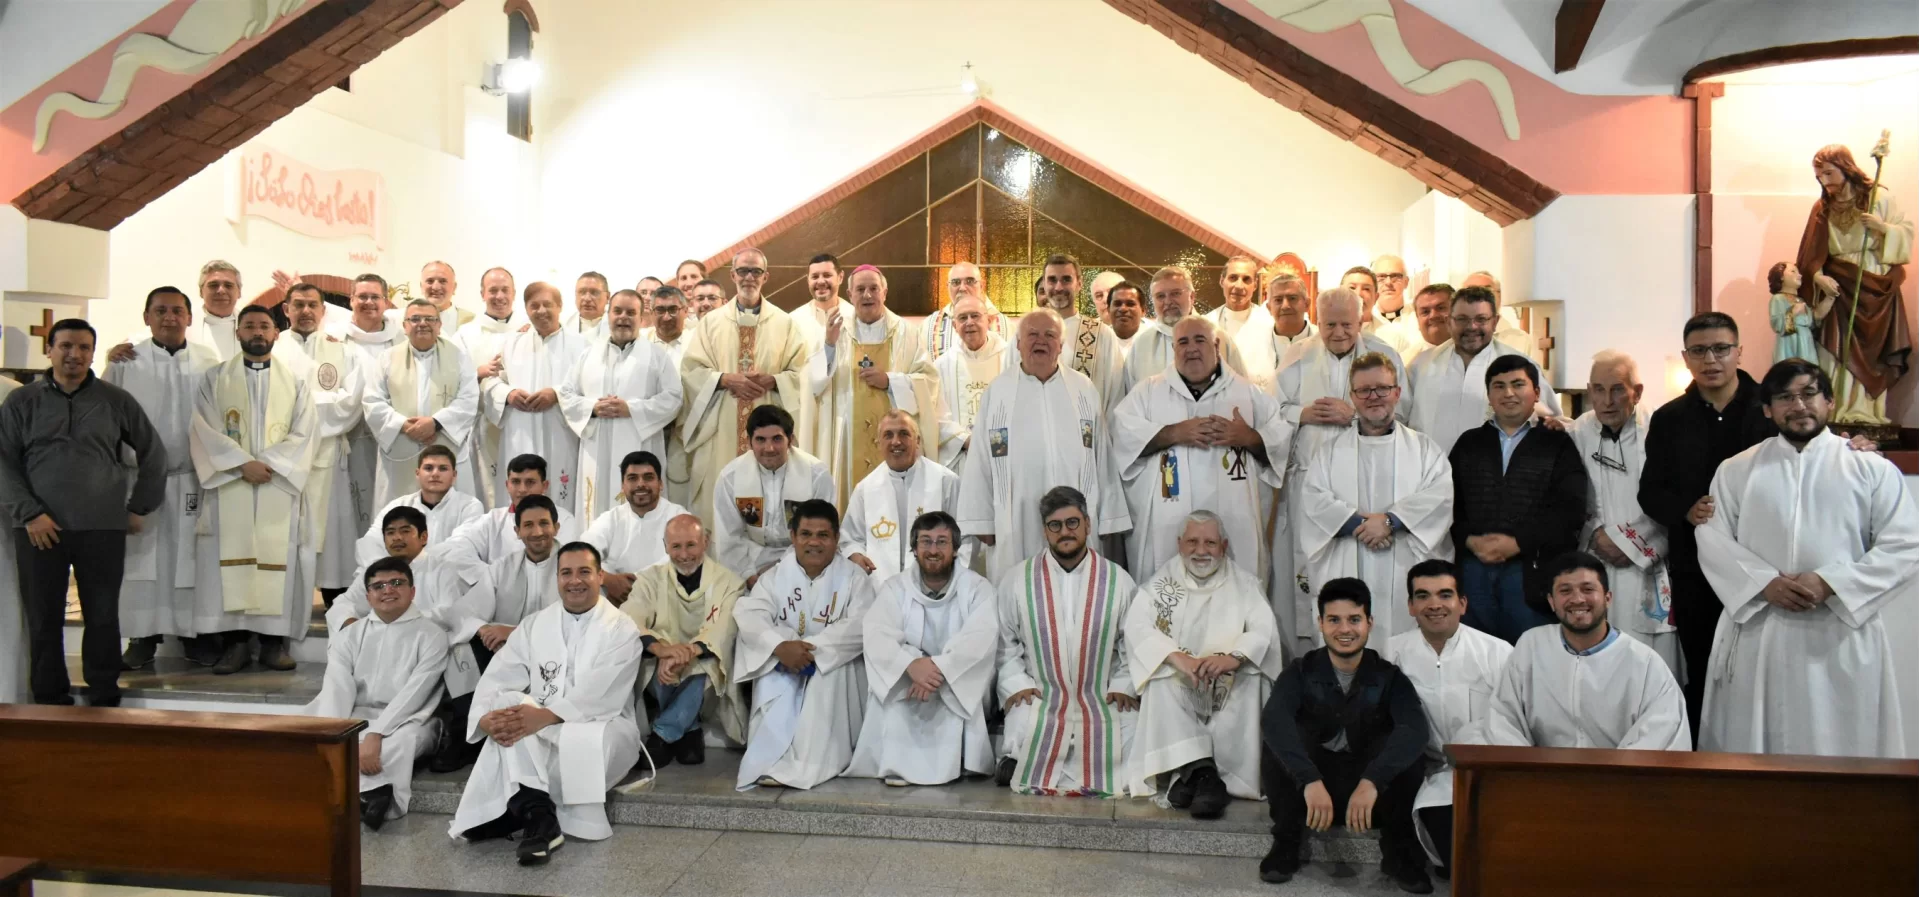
{"type": "Point", "coordinates": [1623, 266]}
{"type": "Point", "coordinates": [672, 130]}
{"type": "Point", "coordinates": [458, 188]}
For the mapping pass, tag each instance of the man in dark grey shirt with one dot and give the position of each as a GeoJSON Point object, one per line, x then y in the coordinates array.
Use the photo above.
{"type": "Point", "coordinates": [64, 491]}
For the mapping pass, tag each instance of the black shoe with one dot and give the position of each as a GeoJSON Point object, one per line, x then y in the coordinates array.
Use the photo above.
{"type": "Point", "coordinates": [691, 749]}
{"type": "Point", "coordinates": [543, 838]}
{"type": "Point", "coordinates": [274, 654]}
{"type": "Point", "coordinates": [660, 750]}
{"type": "Point", "coordinates": [204, 650]}
{"type": "Point", "coordinates": [450, 752]}
{"type": "Point", "coordinates": [1444, 873]}
{"type": "Point", "coordinates": [234, 659]}
{"type": "Point", "coordinates": [139, 653]}
{"type": "Point", "coordinates": [374, 806]}
{"type": "Point", "coordinates": [1411, 880]}
{"type": "Point", "coordinates": [1180, 793]}
{"type": "Point", "coordinates": [1210, 796]}
{"type": "Point", "coordinates": [1280, 863]}
{"type": "Point", "coordinates": [504, 827]}
{"type": "Point", "coordinates": [1004, 778]}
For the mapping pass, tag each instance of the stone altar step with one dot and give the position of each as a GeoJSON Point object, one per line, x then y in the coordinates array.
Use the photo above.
{"type": "Point", "coordinates": [312, 649]}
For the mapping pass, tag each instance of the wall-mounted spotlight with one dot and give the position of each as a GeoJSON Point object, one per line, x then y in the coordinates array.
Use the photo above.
{"type": "Point", "coordinates": [512, 76]}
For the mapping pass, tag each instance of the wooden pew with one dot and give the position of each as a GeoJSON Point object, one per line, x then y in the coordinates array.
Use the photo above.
{"type": "Point", "coordinates": [1571, 822]}
{"type": "Point", "coordinates": [229, 796]}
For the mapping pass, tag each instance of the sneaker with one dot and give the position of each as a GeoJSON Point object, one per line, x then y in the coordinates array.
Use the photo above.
{"type": "Point", "coordinates": [770, 782]}
{"type": "Point", "coordinates": [139, 653]}
{"type": "Point", "coordinates": [234, 659]}
{"type": "Point", "coordinates": [895, 782]}
{"type": "Point", "coordinates": [543, 837]}
{"type": "Point", "coordinates": [660, 750]}
{"type": "Point", "coordinates": [1180, 793]}
{"type": "Point", "coordinates": [1280, 863]}
{"type": "Point", "coordinates": [374, 806]}
{"type": "Point", "coordinates": [504, 827]}
{"type": "Point", "coordinates": [691, 749]}
{"type": "Point", "coordinates": [1004, 778]}
{"type": "Point", "coordinates": [274, 654]}
{"type": "Point", "coordinates": [1210, 796]}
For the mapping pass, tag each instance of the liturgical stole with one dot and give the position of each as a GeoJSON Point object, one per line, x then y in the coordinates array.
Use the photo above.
{"type": "Point", "coordinates": [253, 519]}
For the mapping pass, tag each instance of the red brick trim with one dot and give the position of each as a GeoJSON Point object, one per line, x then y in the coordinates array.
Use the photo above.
{"type": "Point", "coordinates": [1343, 105]}
{"type": "Point", "coordinates": [117, 177]}
{"type": "Point", "coordinates": [1833, 49]}
{"type": "Point", "coordinates": [984, 112]}
{"type": "Point", "coordinates": [526, 9]}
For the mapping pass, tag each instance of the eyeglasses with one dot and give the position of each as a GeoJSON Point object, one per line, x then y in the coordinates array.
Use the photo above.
{"type": "Point", "coordinates": [388, 585]}
{"type": "Point", "coordinates": [963, 281]}
{"type": "Point", "coordinates": [1391, 278]}
{"type": "Point", "coordinates": [418, 320]}
{"type": "Point", "coordinates": [1614, 464]}
{"type": "Point", "coordinates": [1717, 351]}
{"type": "Point", "coordinates": [934, 542]}
{"type": "Point", "coordinates": [1374, 392]}
{"type": "Point", "coordinates": [1790, 399]}
{"type": "Point", "coordinates": [749, 272]}
{"type": "Point", "coordinates": [1476, 321]}
{"type": "Point", "coordinates": [1071, 523]}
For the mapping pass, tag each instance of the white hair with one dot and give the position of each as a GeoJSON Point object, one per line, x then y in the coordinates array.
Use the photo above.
{"type": "Point", "coordinates": [876, 272]}
{"type": "Point", "coordinates": [216, 266]}
{"type": "Point", "coordinates": [1616, 358]}
{"type": "Point", "coordinates": [1203, 518]}
{"type": "Point", "coordinates": [1337, 294]}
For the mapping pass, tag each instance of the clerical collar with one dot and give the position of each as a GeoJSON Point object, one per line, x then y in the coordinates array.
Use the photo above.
{"type": "Point", "coordinates": [213, 317]}
{"type": "Point", "coordinates": [939, 593]}
{"type": "Point", "coordinates": [257, 365]}
{"type": "Point", "coordinates": [506, 320]}
{"type": "Point", "coordinates": [744, 309]}
{"type": "Point", "coordinates": [689, 582]}
{"type": "Point", "coordinates": [1609, 433]}
{"type": "Point", "coordinates": [622, 347]}
{"type": "Point", "coordinates": [1200, 389]}
{"type": "Point", "coordinates": [171, 350]}
{"type": "Point", "coordinates": [1389, 316]}
{"type": "Point", "coordinates": [430, 505]}
{"type": "Point", "coordinates": [422, 353]}
{"type": "Point", "coordinates": [901, 473]}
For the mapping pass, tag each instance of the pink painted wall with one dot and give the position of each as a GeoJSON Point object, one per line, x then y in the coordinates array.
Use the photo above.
{"type": "Point", "coordinates": [1764, 137]}
{"type": "Point", "coordinates": [21, 168]}
{"type": "Point", "coordinates": [1574, 143]}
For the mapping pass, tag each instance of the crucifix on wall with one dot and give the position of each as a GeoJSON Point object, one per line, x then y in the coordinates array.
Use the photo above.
{"type": "Point", "coordinates": [44, 329]}
{"type": "Point", "coordinates": [1546, 342]}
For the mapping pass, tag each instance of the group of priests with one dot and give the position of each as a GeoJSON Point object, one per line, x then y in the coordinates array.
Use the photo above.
{"type": "Point", "coordinates": [845, 542]}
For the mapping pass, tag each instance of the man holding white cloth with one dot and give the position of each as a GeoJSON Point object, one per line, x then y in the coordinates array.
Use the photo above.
{"type": "Point", "coordinates": [523, 399]}
{"type": "Point", "coordinates": [421, 392]}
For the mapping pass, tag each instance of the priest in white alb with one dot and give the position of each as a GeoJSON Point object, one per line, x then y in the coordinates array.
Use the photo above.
{"type": "Point", "coordinates": [421, 392]}
{"type": "Point", "coordinates": [493, 535]}
{"type": "Point", "coordinates": [978, 355]}
{"type": "Point", "coordinates": [684, 606]}
{"type": "Point", "coordinates": [1240, 311]}
{"type": "Point", "coordinates": [1286, 308]}
{"type": "Point", "coordinates": [825, 310]}
{"type": "Point", "coordinates": [555, 715]}
{"type": "Point", "coordinates": [1579, 684]}
{"type": "Point", "coordinates": [523, 400]}
{"type": "Point", "coordinates": [1809, 543]}
{"type": "Point", "coordinates": [1314, 386]}
{"type": "Point", "coordinates": [941, 330]}
{"type": "Point", "coordinates": [1198, 436]}
{"type": "Point", "coordinates": [929, 645]}
{"type": "Point", "coordinates": [743, 354]}
{"type": "Point", "coordinates": [758, 493]}
{"type": "Point", "coordinates": [1087, 345]}
{"type": "Point", "coordinates": [620, 397]}
{"type": "Point", "coordinates": [483, 339]}
{"type": "Point", "coordinates": [1153, 348]}
{"type": "Point", "coordinates": [906, 485]}
{"type": "Point", "coordinates": [1448, 382]}
{"type": "Point", "coordinates": [252, 445]}
{"type": "Point", "coordinates": [631, 535]}
{"type": "Point", "coordinates": [1375, 500]}
{"type": "Point", "coordinates": [870, 364]}
{"type": "Point", "coordinates": [164, 557]}
{"type": "Point", "coordinates": [1203, 653]}
{"type": "Point", "coordinates": [800, 645]}
{"type": "Point", "coordinates": [1612, 441]}
{"type": "Point", "coordinates": [445, 508]}
{"type": "Point", "coordinates": [336, 378]}
{"type": "Point", "coordinates": [589, 316]}
{"type": "Point", "coordinates": [386, 671]}
{"type": "Point", "coordinates": [1040, 425]}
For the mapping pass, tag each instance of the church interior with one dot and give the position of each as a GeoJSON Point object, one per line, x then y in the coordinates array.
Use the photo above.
{"type": "Point", "coordinates": [1613, 167]}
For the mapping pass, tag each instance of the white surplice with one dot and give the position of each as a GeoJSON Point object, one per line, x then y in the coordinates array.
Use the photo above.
{"type": "Point", "coordinates": [964, 377]}
{"type": "Point", "coordinates": [1182, 722]}
{"type": "Point", "coordinates": [940, 337]}
{"type": "Point", "coordinates": [163, 560]}
{"type": "Point", "coordinates": [1152, 352]}
{"type": "Point", "coordinates": [1402, 473]}
{"type": "Point", "coordinates": [879, 517]}
{"type": "Point", "coordinates": [1642, 603]}
{"type": "Point", "coordinates": [1163, 487]}
{"type": "Point", "coordinates": [455, 409]}
{"type": "Point", "coordinates": [828, 430]}
{"type": "Point", "coordinates": [630, 542]}
{"type": "Point", "coordinates": [590, 330]}
{"type": "Point", "coordinates": [533, 363]}
{"type": "Point", "coordinates": [1456, 687]}
{"type": "Point", "coordinates": [1621, 696]}
{"type": "Point", "coordinates": [514, 588]}
{"type": "Point", "coordinates": [638, 373]}
{"type": "Point", "coordinates": [336, 378]}
{"type": "Point", "coordinates": [803, 724]}
{"type": "Point", "coordinates": [455, 510]}
{"type": "Point", "coordinates": [1251, 333]}
{"type": "Point", "coordinates": [1262, 352]}
{"type": "Point", "coordinates": [482, 339]}
{"type": "Point", "coordinates": [216, 333]}
{"type": "Point", "coordinates": [1030, 436]}
{"type": "Point", "coordinates": [750, 507]}
{"type": "Point", "coordinates": [489, 537]}
{"type": "Point", "coordinates": [582, 667]}
{"type": "Point", "coordinates": [1445, 395]}
{"type": "Point", "coordinates": [440, 595]}
{"type": "Point", "coordinates": [389, 675]}
{"type": "Point", "coordinates": [1820, 681]}
{"type": "Point", "coordinates": [935, 741]}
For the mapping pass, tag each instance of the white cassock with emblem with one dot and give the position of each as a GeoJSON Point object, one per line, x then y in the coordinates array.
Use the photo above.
{"type": "Point", "coordinates": [247, 413]}
{"type": "Point", "coordinates": [631, 542]}
{"type": "Point", "coordinates": [406, 383]}
{"type": "Point", "coordinates": [582, 667]}
{"type": "Point", "coordinates": [1456, 688]}
{"type": "Point", "coordinates": [802, 726]}
{"type": "Point", "coordinates": [1163, 487]}
{"type": "Point", "coordinates": [1030, 436]}
{"type": "Point", "coordinates": [935, 741]}
{"type": "Point", "coordinates": [880, 516]}
{"type": "Point", "coordinates": [1642, 594]}
{"type": "Point", "coordinates": [169, 555]}
{"type": "Point", "coordinates": [1819, 681]}
{"type": "Point", "coordinates": [1402, 474]}
{"type": "Point", "coordinates": [751, 505]}
{"type": "Point", "coordinates": [482, 339]}
{"type": "Point", "coordinates": [389, 675]}
{"type": "Point", "coordinates": [533, 363]}
{"type": "Point", "coordinates": [1182, 721]}
{"type": "Point", "coordinates": [964, 377]}
{"type": "Point", "coordinates": [336, 378]}
{"type": "Point", "coordinates": [642, 375]}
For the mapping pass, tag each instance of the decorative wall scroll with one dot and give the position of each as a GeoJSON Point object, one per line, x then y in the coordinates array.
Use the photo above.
{"type": "Point", "coordinates": [267, 183]}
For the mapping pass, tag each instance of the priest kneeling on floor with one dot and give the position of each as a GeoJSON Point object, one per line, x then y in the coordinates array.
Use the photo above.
{"type": "Point", "coordinates": [1204, 650]}
{"type": "Point", "coordinates": [929, 641]}
{"type": "Point", "coordinates": [684, 606]}
{"type": "Point", "coordinates": [1344, 733]}
{"type": "Point", "coordinates": [555, 710]}
{"type": "Point", "coordinates": [800, 644]}
{"type": "Point", "coordinates": [1577, 683]}
{"type": "Point", "coordinates": [387, 671]}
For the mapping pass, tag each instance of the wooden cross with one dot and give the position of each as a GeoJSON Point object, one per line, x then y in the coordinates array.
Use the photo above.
{"type": "Point", "coordinates": [1546, 343]}
{"type": "Point", "coordinates": [44, 329]}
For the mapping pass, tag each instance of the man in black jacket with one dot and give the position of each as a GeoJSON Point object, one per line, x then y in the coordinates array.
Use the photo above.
{"type": "Point", "coordinates": [1519, 497]}
{"type": "Point", "coordinates": [1344, 732]}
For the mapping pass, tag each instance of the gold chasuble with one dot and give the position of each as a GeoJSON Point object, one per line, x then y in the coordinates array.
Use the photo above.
{"type": "Point", "coordinates": [869, 405]}
{"type": "Point", "coordinates": [712, 422]}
